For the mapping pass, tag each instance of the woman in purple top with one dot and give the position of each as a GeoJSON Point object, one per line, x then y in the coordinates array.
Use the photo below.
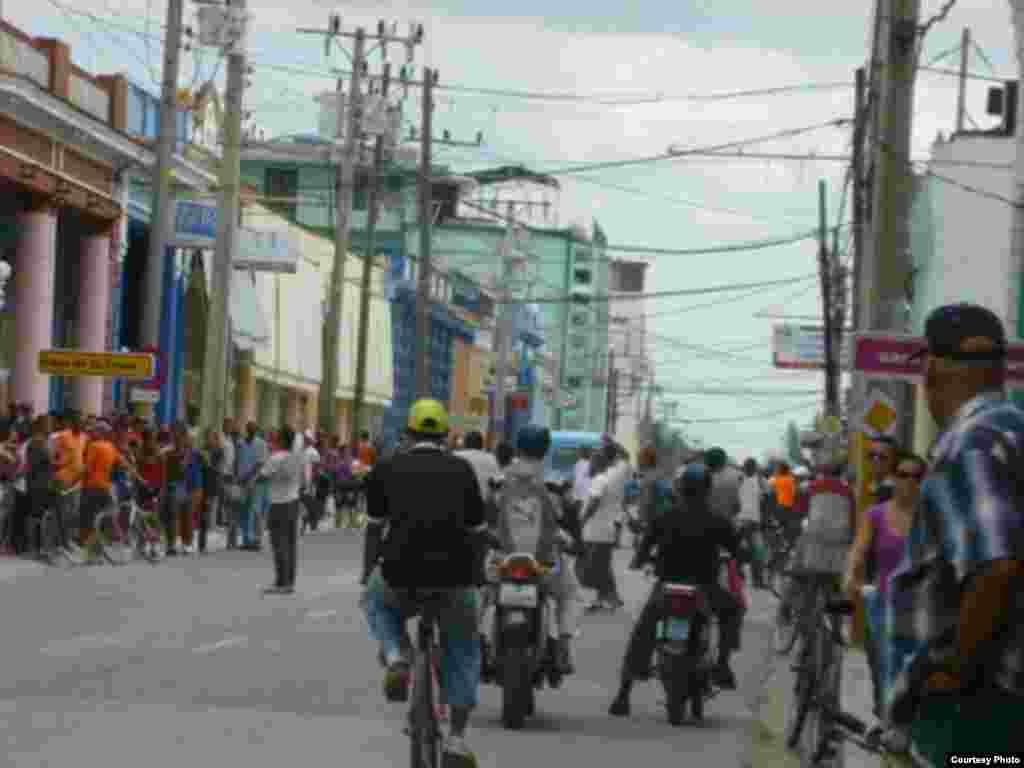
{"type": "Point", "coordinates": [881, 542]}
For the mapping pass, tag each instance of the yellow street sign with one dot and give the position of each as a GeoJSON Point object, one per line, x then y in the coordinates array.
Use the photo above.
{"type": "Point", "coordinates": [135, 366]}
{"type": "Point", "coordinates": [880, 417]}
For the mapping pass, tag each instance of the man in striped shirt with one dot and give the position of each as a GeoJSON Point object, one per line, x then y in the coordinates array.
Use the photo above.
{"type": "Point", "coordinates": [956, 604]}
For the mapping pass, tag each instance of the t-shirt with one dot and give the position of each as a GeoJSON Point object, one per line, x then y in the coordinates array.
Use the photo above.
{"type": "Point", "coordinates": [610, 488]}
{"type": "Point", "coordinates": [101, 457]}
{"type": "Point", "coordinates": [725, 492]}
{"type": "Point", "coordinates": [69, 452]}
{"type": "Point", "coordinates": [785, 491]}
{"type": "Point", "coordinates": [367, 454]}
{"type": "Point", "coordinates": [485, 466]}
{"type": "Point", "coordinates": [689, 545]}
{"type": "Point", "coordinates": [581, 481]}
{"type": "Point", "coordinates": [430, 500]}
{"type": "Point", "coordinates": [752, 489]}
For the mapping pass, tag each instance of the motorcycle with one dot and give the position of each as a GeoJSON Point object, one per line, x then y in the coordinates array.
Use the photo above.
{"type": "Point", "coordinates": [686, 649]}
{"type": "Point", "coordinates": [524, 654]}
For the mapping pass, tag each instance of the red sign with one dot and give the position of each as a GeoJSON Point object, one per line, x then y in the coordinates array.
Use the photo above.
{"type": "Point", "coordinates": [887, 356]}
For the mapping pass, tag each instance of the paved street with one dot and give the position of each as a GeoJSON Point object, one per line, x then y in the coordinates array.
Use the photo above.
{"type": "Point", "coordinates": [186, 664]}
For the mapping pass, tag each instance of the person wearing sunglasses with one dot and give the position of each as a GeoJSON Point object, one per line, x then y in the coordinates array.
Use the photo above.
{"type": "Point", "coordinates": [883, 459]}
{"type": "Point", "coordinates": [878, 549]}
{"type": "Point", "coordinates": [956, 601]}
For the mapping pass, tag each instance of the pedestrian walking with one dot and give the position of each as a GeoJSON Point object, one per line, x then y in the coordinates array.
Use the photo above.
{"type": "Point", "coordinates": [40, 478]}
{"type": "Point", "coordinates": [232, 494]}
{"type": "Point", "coordinates": [252, 455]}
{"type": "Point", "coordinates": [284, 472]}
{"type": "Point", "coordinates": [69, 461]}
{"type": "Point", "coordinates": [604, 509]}
{"type": "Point", "coordinates": [211, 461]}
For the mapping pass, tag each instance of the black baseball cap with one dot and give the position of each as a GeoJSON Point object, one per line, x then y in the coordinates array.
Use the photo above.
{"type": "Point", "coordinates": [964, 332]}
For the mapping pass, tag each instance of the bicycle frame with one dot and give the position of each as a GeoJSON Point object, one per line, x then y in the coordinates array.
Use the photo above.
{"type": "Point", "coordinates": [424, 729]}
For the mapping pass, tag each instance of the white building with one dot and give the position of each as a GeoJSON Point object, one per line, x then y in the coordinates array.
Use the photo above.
{"type": "Point", "coordinates": [961, 233]}
{"type": "Point", "coordinates": [632, 368]}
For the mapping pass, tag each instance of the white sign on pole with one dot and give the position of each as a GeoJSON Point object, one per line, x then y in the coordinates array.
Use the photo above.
{"type": "Point", "coordinates": [802, 347]}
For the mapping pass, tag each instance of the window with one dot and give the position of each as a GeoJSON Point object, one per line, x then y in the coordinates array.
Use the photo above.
{"type": "Point", "coordinates": [620, 321]}
{"type": "Point", "coordinates": [282, 186]}
{"type": "Point", "coordinates": [582, 276]}
{"type": "Point", "coordinates": [580, 319]}
{"type": "Point", "coordinates": [574, 382]}
{"type": "Point", "coordinates": [582, 254]}
{"type": "Point", "coordinates": [579, 342]}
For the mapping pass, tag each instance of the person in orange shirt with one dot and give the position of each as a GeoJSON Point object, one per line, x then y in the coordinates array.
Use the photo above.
{"type": "Point", "coordinates": [785, 498]}
{"type": "Point", "coordinates": [69, 453]}
{"type": "Point", "coordinates": [367, 453]}
{"type": "Point", "coordinates": [101, 459]}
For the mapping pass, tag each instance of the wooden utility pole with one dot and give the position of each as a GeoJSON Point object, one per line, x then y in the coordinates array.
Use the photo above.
{"type": "Point", "coordinates": [961, 96]}
{"type": "Point", "coordinates": [827, 287]}
{"type": "Point", "coordinates": [359, 396]}
{"type": "Point", "coordinates": [426, 217]}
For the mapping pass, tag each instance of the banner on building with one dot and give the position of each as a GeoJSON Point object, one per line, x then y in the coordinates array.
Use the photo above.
{"type": "Point", "coordinates": [802, 348]}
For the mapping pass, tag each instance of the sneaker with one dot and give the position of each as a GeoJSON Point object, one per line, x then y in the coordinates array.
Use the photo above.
{"type": "Point", "coordinates": [620, 706]}
{"type": "Point", "coordinates": [456, 754]}
{"type": "Point", "coordinates": [171, 552]}
{"type": "Point", "coordinates": [396, 682]}
{"type": "Point", "coordinates": [273, 589]}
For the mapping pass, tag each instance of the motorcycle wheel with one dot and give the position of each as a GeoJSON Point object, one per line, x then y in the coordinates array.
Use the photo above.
{"type": "Point", "coordinates": [516, 688]}
{"type": "Point", "coordinates": [675, 678]}
{"type": "Point", "coordinates": [700, 687]}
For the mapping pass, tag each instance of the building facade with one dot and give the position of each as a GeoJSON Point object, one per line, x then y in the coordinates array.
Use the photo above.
{"type": "Point", "coordinates": [631, 366]}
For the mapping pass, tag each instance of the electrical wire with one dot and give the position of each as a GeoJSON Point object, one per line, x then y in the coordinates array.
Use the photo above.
{"type": "Point", "coordinates": [749, 417]}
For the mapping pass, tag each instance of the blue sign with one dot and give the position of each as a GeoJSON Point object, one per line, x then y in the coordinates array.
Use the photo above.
{"type": "Point", "coordinates": [195, 224]}
{"type": "Point", "coordinates": [465, 294]}
{"type": "Point", "coordinates": [396, 271]}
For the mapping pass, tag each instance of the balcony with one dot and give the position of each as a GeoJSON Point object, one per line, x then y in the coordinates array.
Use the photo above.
{"type": "Point", "coordinates": [18, 56]}
{"type": "Point", "coordinates": [89, 97]}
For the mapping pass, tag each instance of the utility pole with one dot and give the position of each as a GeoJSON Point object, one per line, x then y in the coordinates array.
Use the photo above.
{"type": "Point", "coordinates": [152, 305]}
{"type": "Point", "coordinates": [857, 171]}
{"type": "Point", "coordinates": [215, 360]}
{"type": "Point", "coordinates": [827, 287]}
{"type": "Point", "coordinates": [366, 283]}
{"type": "Point", "coordinates": [961, 97]}
{"type": "Point", "coordinates": [426, 217]}
{"type": "Point", "coordinates": [613, 393]}
{"type": "Point", "coordinates": [1015, 320]}
{"type": "Point", "coordinates": [505, 327]}
{"type": "Point", "coordinates": [344, 189]}
{"type": "Point", "coordinates": [887, 269]}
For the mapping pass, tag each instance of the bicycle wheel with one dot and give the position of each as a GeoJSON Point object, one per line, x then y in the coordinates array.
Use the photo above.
{"type": "Point", "coordinates": [815, 732]}
{"type": "Point", "coordinates": [805, 685]}
{"type": "Point", "coordinates": [425, 741]}
{"type": "Point", "coordinates": [787, 621]}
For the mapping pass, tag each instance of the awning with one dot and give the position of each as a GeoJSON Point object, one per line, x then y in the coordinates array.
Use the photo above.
{"type": "Point", "coordinates": [249, 327]}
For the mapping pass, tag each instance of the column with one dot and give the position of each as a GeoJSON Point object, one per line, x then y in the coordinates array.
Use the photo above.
{"type": "Point", "coordinates": [34, 273]}
{"type": "Point", "coordinates": [246, 393]}
{"type": "Point", "coordinates": [93, 308]}
{"type": "Point", "coordinates": [295, 409]}
{"type": "Point", "coordinates": [312, 411]}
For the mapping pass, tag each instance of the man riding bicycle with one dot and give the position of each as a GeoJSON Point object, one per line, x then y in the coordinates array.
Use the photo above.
{"type": "Point", "coordinates": [425, 523]}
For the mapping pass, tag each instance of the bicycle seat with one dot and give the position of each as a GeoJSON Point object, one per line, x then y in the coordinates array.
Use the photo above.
{"type": "Point", "coordinates": [840, 607]}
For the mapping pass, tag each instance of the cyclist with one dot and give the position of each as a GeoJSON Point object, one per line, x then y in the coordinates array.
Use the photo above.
{"type": "Point", "coordinates": [425, 521]}
{"type": "Point", "coordinates": [688, 543]}
{"type": "Point", "coordinates": [524, 502]}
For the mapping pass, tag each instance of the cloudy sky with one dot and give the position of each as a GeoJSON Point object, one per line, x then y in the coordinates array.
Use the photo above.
{"type": "Point", "coordinates": [674, 56]}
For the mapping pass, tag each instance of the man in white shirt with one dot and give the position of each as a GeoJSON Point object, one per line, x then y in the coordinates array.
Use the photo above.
{"type": "Point", "coordinates": [604, 508]}
{"type": "Point", "coordinates": [485, 466]}
{"type": "Point", "coordinates": [753, 489]}
{"type": "Point", "coordinates": [581, 477]}
{"type": "Point", "coordinates": [285, 471]}
{"type": "Point", "coordinates": [313, 508]}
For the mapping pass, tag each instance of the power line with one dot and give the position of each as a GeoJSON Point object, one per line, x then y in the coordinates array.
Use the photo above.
{"type": "Point", "coordinates": [749, 417]}
{"type": "Point", "coordinates": [973, 190]}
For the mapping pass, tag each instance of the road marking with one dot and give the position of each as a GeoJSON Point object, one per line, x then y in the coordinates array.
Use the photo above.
{"type": "Point", "coordinates": [231, 641]}
{"type": "Point", "coordinates": [318, 615]}
{"type": "Point", "coordinates": [76, 645]}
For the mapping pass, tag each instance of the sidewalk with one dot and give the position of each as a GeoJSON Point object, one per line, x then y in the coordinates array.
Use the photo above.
{"type": "Point", "coordinates": [768, 748]}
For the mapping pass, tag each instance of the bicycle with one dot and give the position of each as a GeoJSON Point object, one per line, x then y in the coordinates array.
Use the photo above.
{"type": "Point", "coordinates": [425, 714]}
{"type": "Point", "coordinates": [843, 726]}
{"type": "Point", "coordinates": [819, 665]}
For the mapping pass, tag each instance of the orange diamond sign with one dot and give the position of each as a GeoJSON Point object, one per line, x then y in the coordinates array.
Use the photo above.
{"type": "Point", "coordinates": [880, 416]}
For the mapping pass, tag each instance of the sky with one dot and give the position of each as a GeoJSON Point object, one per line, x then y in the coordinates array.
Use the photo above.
{"type": "Point", "coordinates": [673, 56]}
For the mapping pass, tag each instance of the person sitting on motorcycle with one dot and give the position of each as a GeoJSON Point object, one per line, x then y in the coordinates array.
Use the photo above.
{"type": "Point", "coordinates": [430, 504]}
{"type": "Point", "coordinates": [688, 542]}
{"type": "Point", "coordinates": [530, 520]}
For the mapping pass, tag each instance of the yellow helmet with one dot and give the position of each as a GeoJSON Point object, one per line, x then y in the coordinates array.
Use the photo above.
{"type": "Point", "coordinates": [428, 417]}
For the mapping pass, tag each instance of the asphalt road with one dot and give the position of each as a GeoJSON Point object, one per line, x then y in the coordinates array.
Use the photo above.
{"type": "Point", "coordinates": [186, 664]}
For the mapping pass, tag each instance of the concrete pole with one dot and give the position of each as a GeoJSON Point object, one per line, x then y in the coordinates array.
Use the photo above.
{"type": "Point", "coordinates": [345, 184]}
{"type": "Point", "coordinates": [212, 408]}
{"type": "Point", "coordinates": [163, 201]}
{"type": "Point", "coordinates": [961, 98]}
{"type": "Point", "coordinates": [504, 331]}
{"type": "Point", "coordinates": [426, 217]}
{"type": "Point", "coordinates": [366, 284]}
{"type": "Point", "coordinates": [888, 265]}
{"type": "Point", "coordinates": [1016, 316]}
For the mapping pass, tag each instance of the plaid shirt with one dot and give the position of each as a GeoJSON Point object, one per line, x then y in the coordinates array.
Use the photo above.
{"type": "Point", "coordinates": [967, 515]}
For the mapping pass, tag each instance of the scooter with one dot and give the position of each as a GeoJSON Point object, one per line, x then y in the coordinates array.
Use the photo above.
{"type": "Point", "coordinates": [687, 639]}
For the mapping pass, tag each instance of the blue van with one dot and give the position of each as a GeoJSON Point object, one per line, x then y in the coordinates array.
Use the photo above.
{"type": "Point", "coordinates": [561, 460]}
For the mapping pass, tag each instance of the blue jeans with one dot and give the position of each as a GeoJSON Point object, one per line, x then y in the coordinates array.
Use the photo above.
{"type": "Point", "coordinates": [388, 610]}
{"type": "Point", "coordinates": [255, 504]}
